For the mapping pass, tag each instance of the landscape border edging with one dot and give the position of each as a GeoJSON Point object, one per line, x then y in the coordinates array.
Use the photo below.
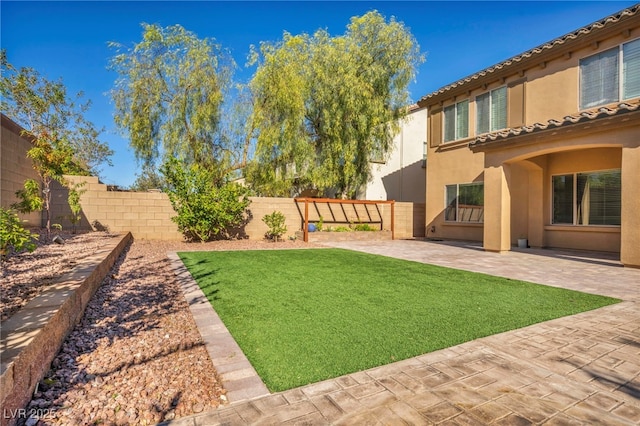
{"type": "Point", "coordinates": [239, 378]}
{"type": "Point", "coordinates": [32, 337]}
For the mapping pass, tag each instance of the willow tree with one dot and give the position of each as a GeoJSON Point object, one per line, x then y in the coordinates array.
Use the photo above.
{"type": "Point", "coordinates": [169, 98]}
{"type": "Point", "coordinates": [325, 107]}
{"type": "Point", "coordinates": [172, 99]}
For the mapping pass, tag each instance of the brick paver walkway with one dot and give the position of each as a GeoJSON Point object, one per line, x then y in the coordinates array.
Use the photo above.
{"type": "Point", "coordinates": [582, 369]}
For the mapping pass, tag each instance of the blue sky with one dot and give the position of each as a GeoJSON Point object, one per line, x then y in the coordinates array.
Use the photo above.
{"type": "Point", "coordinates": [68, 40]}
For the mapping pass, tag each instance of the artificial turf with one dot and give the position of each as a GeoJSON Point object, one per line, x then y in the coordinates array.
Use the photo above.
{"type": "Point", "coordinates": [301, 316]}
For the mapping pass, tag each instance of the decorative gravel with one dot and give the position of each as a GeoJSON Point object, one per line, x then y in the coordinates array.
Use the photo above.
{"type": "Point", "coordinates": [136, 357]}
{"type": "Point", "coordinates": [25, 275]}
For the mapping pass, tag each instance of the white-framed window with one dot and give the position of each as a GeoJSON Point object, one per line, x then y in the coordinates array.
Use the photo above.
{"type": "Point", "coordinates": [464, 202]}
{"type": "Point", "coordinates": [491, 108]}
{"type": "Point", "coordinates": [610, 76]}
{"type": "Point", "coordinates": [456, 121]}
{"type": "Point", "coordinates": [589, 198]}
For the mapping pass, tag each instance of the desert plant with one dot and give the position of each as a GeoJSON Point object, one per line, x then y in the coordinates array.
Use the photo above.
{"type": "Point", "coordinates": [74, 203]}
{"type": "Point", "coordinates": [363, 227]}
{"type": "Point", "coordinates": [30, 200]}
{"type": "Point", "coordinates": [320, 223]}
{"type": "Point", "coordinates": [276, 223]}
{"type": "Point", "coordinates": [13, 235]}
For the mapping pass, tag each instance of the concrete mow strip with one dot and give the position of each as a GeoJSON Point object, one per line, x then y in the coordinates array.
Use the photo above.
{"type": "Point", "coordinates": [238, 376]}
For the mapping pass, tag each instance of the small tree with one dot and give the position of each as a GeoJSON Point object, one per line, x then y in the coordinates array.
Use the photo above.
{"type": "Point", "coordinates": [276, 223]}
{"type": "Point", "coordinates": [13, 235]}
{"type": "Point", "coordinates": [63, 141]}
{"type": "Point", "coordinates": [204, 210]}
{"type": "Point", "coordinates": [52, 159]}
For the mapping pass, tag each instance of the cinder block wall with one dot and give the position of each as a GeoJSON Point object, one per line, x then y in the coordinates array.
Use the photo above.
{"type": "Point", "coordinates": [261, 206]}
{"type": "Point", "coordinates": [334, 214]}
{"type": "Point", "coordinates": [409, 220]}
{"type": "Point", "coordinates": [15, 167]}
{"type": "Point", "coordinates": [147, 215]}
{"type": "Point", "coordinates": [408, 223]}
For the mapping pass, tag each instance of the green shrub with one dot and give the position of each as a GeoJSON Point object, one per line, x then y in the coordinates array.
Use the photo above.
{"type": "Point", "coordinates": [13, 235]}
{"type": "Point", "coordinates": [364, 227]}
{"type": "Point", "coordinates": [320, 224]}
{"type": "Point", "coordinates": [205, 208]}
{"type": "Point", "coordinates": [74, 203]}
{"type": "Point", "coordinates": [276, 223]}
{"type": "Point", "coordinates": [342, 229]}
{"type": "Point", "coordinates": [30, 200]}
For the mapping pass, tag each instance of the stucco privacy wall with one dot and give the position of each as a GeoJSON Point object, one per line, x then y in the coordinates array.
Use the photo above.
{"type": "Point", "coordinates": [147, 215]}
{"type": "Point", "coordinates": [15, 167]}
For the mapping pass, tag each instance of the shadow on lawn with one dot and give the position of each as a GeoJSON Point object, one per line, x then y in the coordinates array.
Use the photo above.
{"type": "Point", "coordinates": [203, 277]}
{"type": "Point", "coordinates": [211, 292]}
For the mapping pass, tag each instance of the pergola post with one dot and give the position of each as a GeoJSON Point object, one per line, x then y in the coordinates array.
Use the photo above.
{"type": "Point", "coordinates": [306, 220]}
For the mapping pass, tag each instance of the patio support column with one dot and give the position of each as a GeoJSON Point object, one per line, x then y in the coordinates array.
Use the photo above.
{"type": "Point", "coordinates": [535, 231]}
{"type": "Point", "coordinates": [630, 206]}
{"type": "Point", "coordinates": [497, 208]}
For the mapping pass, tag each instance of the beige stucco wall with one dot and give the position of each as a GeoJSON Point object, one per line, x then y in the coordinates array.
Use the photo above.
{"type": "Point", "coordinates": [517, 171]}
{"type": "Point", "coordinates": [15, 167]}
{"type": "Point", "coordinates": [630, 229]}
{"type": "Point", "coordinates": [604, 238]}
{"type": "Point", "coordinates": [454, 164]}
{"type": "Point", "coordinates": [530, 186]}
{"type": "Point", "coordinates": [528, 173]}
{"type": "Point", "coordinates": [551, 82]}
{"type": "Point", "coordinates": [553, 86]}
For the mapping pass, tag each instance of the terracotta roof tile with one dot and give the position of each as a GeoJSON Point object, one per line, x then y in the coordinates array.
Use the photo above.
{"type": "Point", "coordinates": [591, 115]}
{"type": "Point", "coordinates": [631, 11]}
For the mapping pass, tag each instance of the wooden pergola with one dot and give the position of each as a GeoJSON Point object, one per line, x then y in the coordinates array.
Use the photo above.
{"type": "Point", "coordinates": [330, 201]}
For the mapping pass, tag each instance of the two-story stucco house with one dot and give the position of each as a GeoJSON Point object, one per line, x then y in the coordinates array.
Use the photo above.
{"type": "Point", "coordinates": [543, 146]}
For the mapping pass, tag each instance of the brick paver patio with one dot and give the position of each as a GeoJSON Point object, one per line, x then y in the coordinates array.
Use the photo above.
{"type": "Point", "coordinates": [582, 369]}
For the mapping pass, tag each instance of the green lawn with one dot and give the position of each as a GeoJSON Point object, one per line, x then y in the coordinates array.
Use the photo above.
{"type": "Point", "coordinates": [302, 316]}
